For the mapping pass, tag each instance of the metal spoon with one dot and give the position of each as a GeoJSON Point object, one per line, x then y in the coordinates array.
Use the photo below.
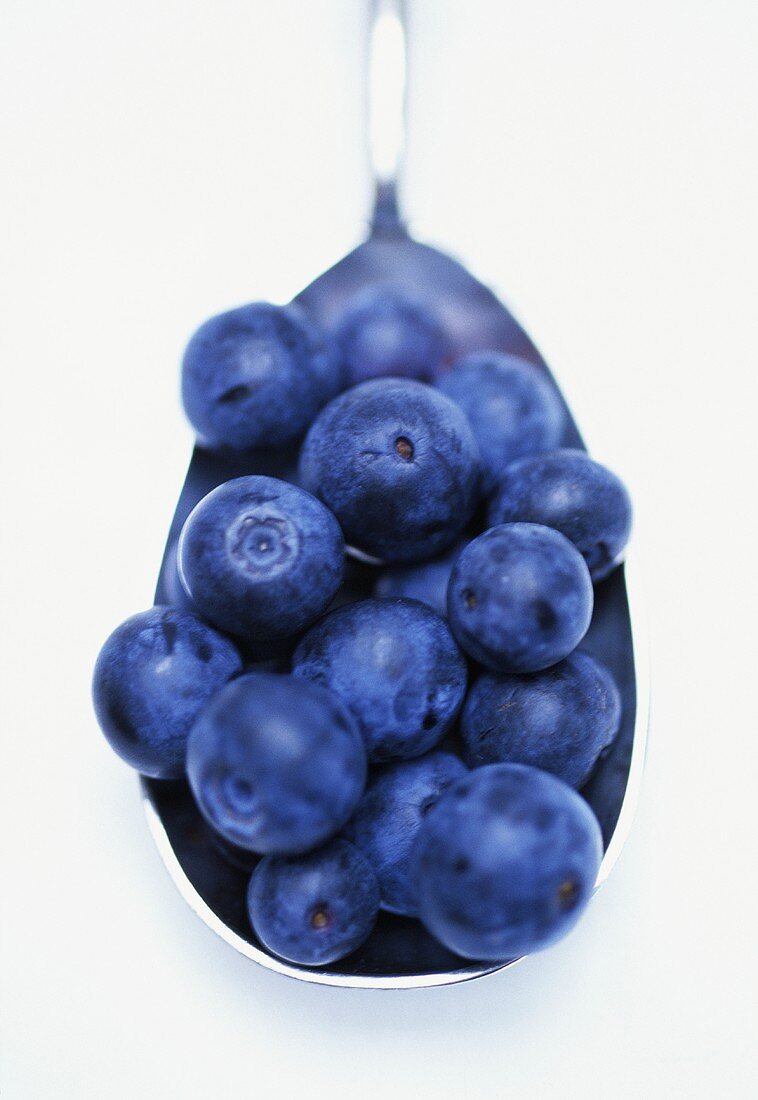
{"type": "Point", "coordinates": [399, 953]}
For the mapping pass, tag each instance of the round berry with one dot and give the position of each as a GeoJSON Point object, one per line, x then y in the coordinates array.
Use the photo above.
{"type": "Point", "coordinates": [152, 677]}
{"type": "Point", "coordinates": [314, 909]}
{"type": "Point", "coordinates": [397, 464]}
{"type": "Point", "coordinates": [424, 581]}
{"type": "Point", "coordinates": [261, 558]}
{"type": "Point", "coordinates": [505, 862]}
{"type": "Point", "coordinates": [276, 765]}
{"type": "Point", "coordinates": [519, 598]}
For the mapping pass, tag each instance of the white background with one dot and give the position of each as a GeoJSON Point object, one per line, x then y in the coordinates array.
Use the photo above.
{"type": "Point", "coordinates": [596, 161]}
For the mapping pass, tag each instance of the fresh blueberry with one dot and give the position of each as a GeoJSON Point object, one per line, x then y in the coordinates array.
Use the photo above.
{"type": "Point", "coordinates": [505, 862]}
{"type": "Point", "coordinates": [397, 464]}
{"type": "Point", "coordinates": [559, 720]}
{"type": "Point", "coordinates": [386, 333]}
{"type": "Point", "coordinates": [256, 377]}
{"type": "Point", "coordinates": [261, 558]}
{"type": "Point", "coordinates": [396, 667]}
{"type": "Point", "coordinates": [425, 581]}
{"type": "Point", "coordinates": [389, 816]}
{"type": "Point", "coordinates": [276, 765]}
{"type": "Point", "coordinates": [519, 598]}
{"type": "Point", "coordinates": [152, 677]}
{"type": "Point", "coordinates": [314, 909]}
{"type": "Point", "coordinates": [578, 497]}
{"type": "Point", "coordinates": [513, 408]}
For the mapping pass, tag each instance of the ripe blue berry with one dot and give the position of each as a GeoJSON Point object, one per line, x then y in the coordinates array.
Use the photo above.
{"type": "Point", "coordinates": [425, 581]}
{"type": "Point", "coordinates": [389, 816]}
{"type": "Point", "coordinates": [314, 909]}
{"type": "Point", "coordinates": [397, 464]}
{"type": "Point", "coordinates": [276, 765]}
{"type": "Point", "coordinates": [559, 720]}
{"type": "Point", "coordinates": [578, 497]}
{"type": "Point", "coordinates": [152, 677]}
{"type": "Point", "coordinates": [386, 333]}
{"type": "Point", "coordinates": [256, 376]}
{"type": "Point", "coordinates": [505, 862]}
{"type": "Point", "coordinates": [512, 406]}
{"type": "Point", "coordinates": [519, 598]}
{"type": "Point", "coordinates": [261, 558]}
{"type": "Point", "coordinates": [396, 667]}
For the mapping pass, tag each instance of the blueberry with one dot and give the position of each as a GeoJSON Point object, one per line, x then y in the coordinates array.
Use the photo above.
{"type": "Point", "coordinates": [276, 765]}
{"type": "Point", "coordinates": [385, 333]}
{"type": "Point", "coordinates": [261, 558]}
{"type": "Point", "coordinates": [578, 497]}
{"type": "Point", "coordinates": [389, 816]}
{"type": "Point", "coordinates": [425, 581]}
{"type": "Point", "coordinates": [505, 862]}
{"type": "Point", "coordinates": [256, 377]}
{"type": "Point", "coordinates": [397, 464]}
{"type": "Point", "coordinates": [314, 909]}
{"type": "Point", "coordinates": [519, 598]}
{"type": "Point", "coordinates": [396, 667]}
{"type": "Point", "coordinates": [513, 408]}
{"type": "Point", "coordinates": [152, 677]}
{"type": "Point", "coordinates": [559, 720]}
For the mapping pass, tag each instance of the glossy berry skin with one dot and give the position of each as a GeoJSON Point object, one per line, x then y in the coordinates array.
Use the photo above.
{"type": "Point", "coordinates": [512, 406]}
{"type": "Point", "coordinates": [425, 581]}
{"type": "Point", "coordinates": [397, 464]}
{"type": "Point", "coordinates": [396, 667]}
{"type": "Point", "coordinates": [276, 765]}
{"type": "Point", "coordinates": [152, 677]}
{"type": "Point", "coordinates": [385, 333]}
{"type": "Point", "coordinates": [505, 862]}
{"type": "Point", "coordinates": [314, 909]}
{"type": "Point", "coordinates": [519, 598]}
{"type": "Point", "coordinates": [256, 376]}
{"type": "Point", "coordinates": [261, 558]}
{"type": "Point", "coordinates": [578, 497]}
{"type": "Point", "coordinates": [389, 816]}
{"type": "Point", "coordinates": [559, 720]}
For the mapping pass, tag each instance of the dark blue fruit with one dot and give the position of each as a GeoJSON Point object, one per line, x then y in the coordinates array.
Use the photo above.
{"type": "Point", "coordinates": [559, 720]}
{"type": "Point", "coordinates": [396, 667]}
{"type": "Point", "coordinates": [519, 598]}
{"type": "Point", "coordinates": [397, 464]}
{"type": "Point", "coordinates": [276, 765]}
{"type": "Point", "coordinates": [152, 677]}
{"type": "Point", "coordinates": [578, 497]}
{"type": "Point", "coordinates": [386, 333]}
{"type": "Point", "coordinates": [425, 581]}
{"type": "Point", "coordinates": [505, 862]}
{"type": "Point", "coordinates": [314, 909]}
{"type": "Point", "coordinates": [513, 408]}
{"type": "Point", "coordinates": [256, 377]}
{"type": "Point", "coordinates": [261, 558]}
{"type": "Point", "coordinates": [389, 816]}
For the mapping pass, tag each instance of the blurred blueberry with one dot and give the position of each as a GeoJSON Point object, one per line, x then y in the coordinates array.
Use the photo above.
{"type": "Point", "coordinates": [397, 464]}
{"type": "Point", "coordinates": [152, 677]}
{"type": "Point", "coordinates": [505, 862]}
{"type": "Point", "coordinates": [256, 377]}
{"type": "Point", "coordinates": [314, 909]}
{"type": "Point", "coordinates": [396, 667]}
{"type": "Point", "coordinates": [385, 333]}
{"type": "Point", "coordinates": [519, 598]}
{"type": "Point", "coordinates": [559, 720]}
{"type": "Point", "coordinates": [512, 406]}
{"type": "Point", "coordinates": [578, 497]}
{"type": "Point", "coordinates": [261, 558]}
{"type": "Point", "coordinates": [389, 816]}
{"type": "Point", "coordinates": [276, 765]}
{"type": "Point", "coordinates": [425, 581]}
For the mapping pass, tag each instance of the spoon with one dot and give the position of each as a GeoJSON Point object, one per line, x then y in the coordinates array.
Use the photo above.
{"type": "Point", "coordinates": [399, 953]}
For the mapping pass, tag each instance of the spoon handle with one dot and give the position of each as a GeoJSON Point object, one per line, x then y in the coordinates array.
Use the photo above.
{"type": "Point", "coordinates": [386, 83]}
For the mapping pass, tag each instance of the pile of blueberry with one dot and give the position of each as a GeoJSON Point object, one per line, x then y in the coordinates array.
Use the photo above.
{"type": "Point", "coordinates": [419, 751]}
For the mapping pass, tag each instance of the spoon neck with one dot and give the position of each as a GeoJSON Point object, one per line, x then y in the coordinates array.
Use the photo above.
{"type": "Point", "coordinates": [386, 78]}
{"type": "Point", "coordinates": [386, 219]}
